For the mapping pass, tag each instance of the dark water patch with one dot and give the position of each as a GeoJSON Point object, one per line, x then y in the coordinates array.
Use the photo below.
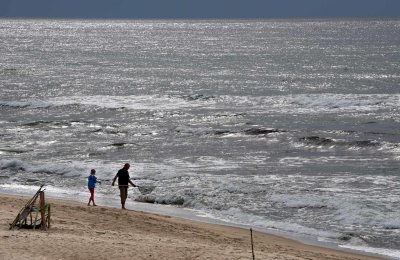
{"type": "Point", "coordinates": [12, 165]}
{"type": "Point", "coordinates": [113, 132]}
{"type": "Point", "coordinates": [349, 131]}
{"type": "Point", "coordinates": [96, 131]}
{"type": "Point", "coordinates": [370, 132]}
{"type": "Point", "coordinates": [196, 97]}
{"type": "Point", "coordinates": [17, 168]}
{"type": "Point", "coordinates": [222, 132]}
{"type": "Point", "coordinates": [118, 144]}
{"type": "Point", "coordinates": [349, 236]}
{"type": "Point", "coordinates": [17, 151]}
{"type": "Point", "coordinates": [321, 141]}
{"type": "Point", "coordinates": [230, 115]}
{"type": "Point", "coordinates": [52, 123]}
{"type": "Point", "coordinates": [378, 133]}
{"type": "Point", "coordinates": [261, 131]}
{"type": "Point", "coordinates": [309, 207]}
{"type": "Point", "coordinates": [316, 140]}
{"type": "Point", "coordinates": [106, 131]}
{"type": "Point", "coordinates": [9, 71]}
{"type": "Point", "coordinates": [48, 172]}
{"type": "Point", "coordinates": [62, 124]}
{"type": "Point", "coordinates": [145, 190]}
{"type": "Point", "coordinates": [365, 143]}
{"type": "Point", "coordinates": [146, 199]}
{"type": "Point", "coordinates": [94, 154]}
{"type": "Point", "coordinates": [14, 106]}
{"type": "Point", "coordinates": [121, 144]}
{"type": "Point", "coordinates": [251, 131]}
{"type": "Point", "coordinates": [31, 181]}
{"type": "Point", "coordinates": [391, 227]}
{"type": "Point", "coordinates": [145, 134]}
{"type": "Point", "coordinates": [117, 108]}
{"type": "Point", "coordinates": [171, 201]}
{"type": "Point", "coordinates": [188, 130]}
{"type": "Point", "coordinates": [37, 123]}
{"type": "Point", "coordinates": [176, 201]}
{"type": "Point", "coordinates": [79, 121]}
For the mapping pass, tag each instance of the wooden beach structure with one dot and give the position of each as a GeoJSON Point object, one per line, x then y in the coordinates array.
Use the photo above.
{"type": "Point", "coordinates": [35, 214]}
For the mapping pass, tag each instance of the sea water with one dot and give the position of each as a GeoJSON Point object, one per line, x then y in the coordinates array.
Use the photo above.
{"type": "Point", "coordinates": [283, 125]}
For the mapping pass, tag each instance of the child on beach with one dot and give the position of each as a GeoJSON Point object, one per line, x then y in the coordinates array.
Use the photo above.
{"type": "Point", "coordinates": [92, 180]}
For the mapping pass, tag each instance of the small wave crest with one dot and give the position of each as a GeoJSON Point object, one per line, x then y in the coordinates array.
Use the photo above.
{"type": "Point", "coordinates": [14, 165]}
{"type": "Point", "coordinates": [165, 200]}
{"type": "Point", "coordinates": [64, 169]}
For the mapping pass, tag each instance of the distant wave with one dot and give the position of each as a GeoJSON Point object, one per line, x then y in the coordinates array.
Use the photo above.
{"type": "Point", "coordinates": [293, 104]}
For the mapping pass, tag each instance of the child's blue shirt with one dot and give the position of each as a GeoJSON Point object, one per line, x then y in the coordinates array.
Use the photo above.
{"type": "Point", "coordinates": [92, 181]}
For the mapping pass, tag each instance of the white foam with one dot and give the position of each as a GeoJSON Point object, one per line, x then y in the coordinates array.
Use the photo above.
{"type": "Point", "coordinates": [148, 102]}
{"type": "Point", "coordinates": [237, 216]}
{"type": "Point", "coordinates": [342, 102]}
{"type": "Point", "coordinates": [380, 251]}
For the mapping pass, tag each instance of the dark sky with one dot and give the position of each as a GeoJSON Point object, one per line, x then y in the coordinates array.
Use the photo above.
{"type": "Point", "coordinates": [136, 9]}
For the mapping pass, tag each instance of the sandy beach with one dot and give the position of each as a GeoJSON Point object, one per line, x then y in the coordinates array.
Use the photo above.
{"type": "Point", "coordinates": [81, 232]}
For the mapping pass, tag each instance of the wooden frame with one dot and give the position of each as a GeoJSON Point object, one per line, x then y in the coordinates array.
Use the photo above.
{"type": "Point", "coordinates": [31, 208]}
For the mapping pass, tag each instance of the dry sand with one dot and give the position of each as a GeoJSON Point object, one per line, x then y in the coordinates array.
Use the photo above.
{"type": "Point", "coordinates": [82, 232]}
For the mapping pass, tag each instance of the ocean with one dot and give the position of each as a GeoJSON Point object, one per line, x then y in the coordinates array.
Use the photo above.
{"type": "Point", "coordinates": [287, 126]}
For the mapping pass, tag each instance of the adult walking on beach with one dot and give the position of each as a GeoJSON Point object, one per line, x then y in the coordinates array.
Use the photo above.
{"type": "Point", "coordinates": [123, 180]}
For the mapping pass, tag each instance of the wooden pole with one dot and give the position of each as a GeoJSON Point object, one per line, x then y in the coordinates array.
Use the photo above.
{"type": "Point", "coordinates": [42, 211]}
{"type": "Point", "coordinates": [48, 217]}
{"type": "Point", "coordinates": [252, 247]}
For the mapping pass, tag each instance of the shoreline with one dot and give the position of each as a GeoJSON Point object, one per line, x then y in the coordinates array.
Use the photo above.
{"type": "Point", "coordinates": [91, 230]}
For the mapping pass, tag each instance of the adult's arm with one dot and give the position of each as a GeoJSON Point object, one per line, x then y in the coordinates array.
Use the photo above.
{"type": "Point", "coordinates": [115, 178]}
{"type": "Point", "coordinates": [134, 185]}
